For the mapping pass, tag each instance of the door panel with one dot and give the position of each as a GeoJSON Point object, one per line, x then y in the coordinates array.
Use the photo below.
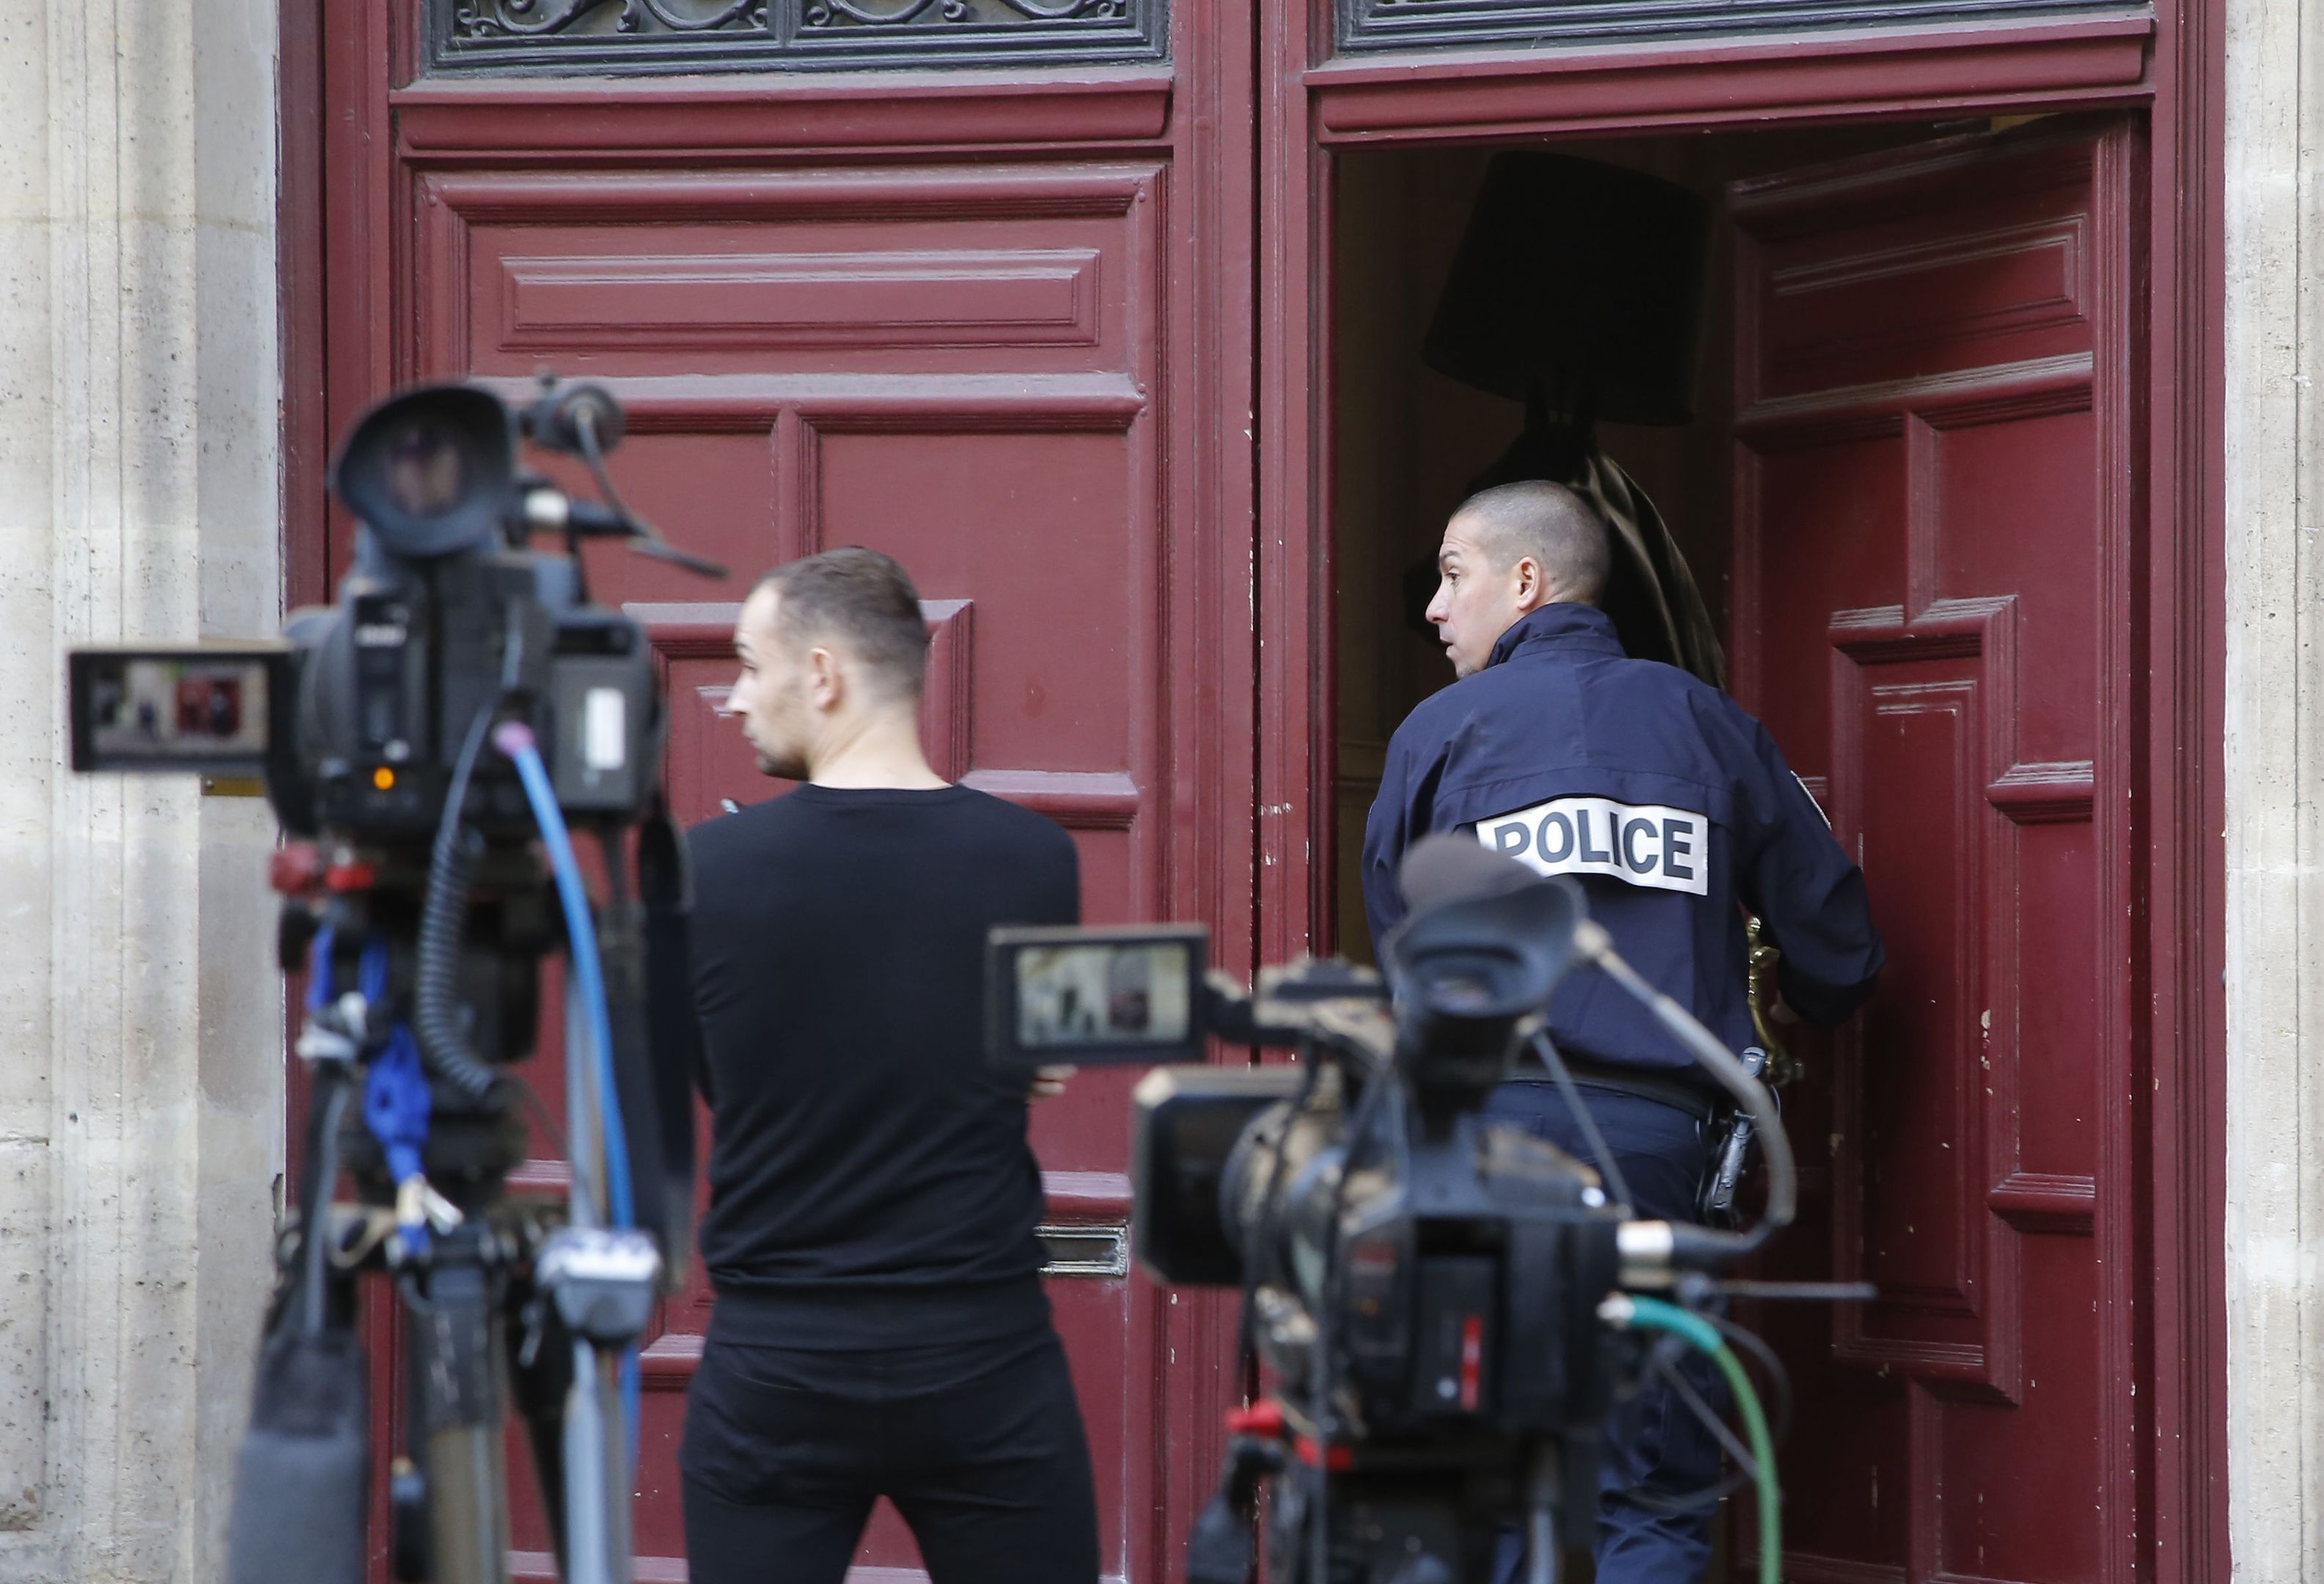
{"type": "Point", "coordinates": [903, 270]}
{"type": "Point", "coordinates": [946, 316]}
{"type": "Point", "coordinates": [949, 366]}
{"type": "Point", "coordinates": [1932, 488]}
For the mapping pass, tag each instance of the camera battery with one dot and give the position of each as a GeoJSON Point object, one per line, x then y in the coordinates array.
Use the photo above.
{"type": "Point", "coordinates": [602, 710]}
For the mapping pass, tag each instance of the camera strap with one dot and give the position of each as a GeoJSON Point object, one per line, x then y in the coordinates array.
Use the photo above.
{"type": "Point", "coordinates": [674, 1036]}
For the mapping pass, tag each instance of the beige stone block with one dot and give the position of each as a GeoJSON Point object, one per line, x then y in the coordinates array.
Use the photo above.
{"type": "Point", "coordinates": [141, 1090]}
{"type": "Point", "coordinates": [2274, 758]}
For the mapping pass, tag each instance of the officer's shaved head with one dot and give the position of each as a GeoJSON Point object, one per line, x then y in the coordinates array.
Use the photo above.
{"type": "Point", "coordinates": [1548, 522]}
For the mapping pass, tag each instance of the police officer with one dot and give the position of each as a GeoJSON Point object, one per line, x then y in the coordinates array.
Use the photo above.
{"type": "Point", "coordinates": [1675, 811]}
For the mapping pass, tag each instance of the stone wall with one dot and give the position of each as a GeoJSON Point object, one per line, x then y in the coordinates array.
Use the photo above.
{"type": "Point", "coordinates": [140, 1086]}
{"type": "Point", "coordinates": [2275, 788]}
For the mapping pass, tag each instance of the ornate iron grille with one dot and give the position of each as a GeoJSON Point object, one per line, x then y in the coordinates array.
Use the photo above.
{"type": "Point", "coordinates": [1408, 24]}
{"type": "Point", "coordinates": [625, 37]}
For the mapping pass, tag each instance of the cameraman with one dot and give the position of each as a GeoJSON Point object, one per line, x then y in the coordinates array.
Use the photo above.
{"type": "Point", "coordinates": [1671, 806]}
{"type": "Point", "coordinates": [879, 1326]}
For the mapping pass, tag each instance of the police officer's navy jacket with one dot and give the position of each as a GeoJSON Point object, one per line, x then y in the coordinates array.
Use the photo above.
{"type": "Point", "coordinates": [1665, 800]}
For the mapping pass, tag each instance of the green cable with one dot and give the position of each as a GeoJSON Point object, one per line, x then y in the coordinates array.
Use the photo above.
{"type": "Point", "coordinates": [1626, 1308]}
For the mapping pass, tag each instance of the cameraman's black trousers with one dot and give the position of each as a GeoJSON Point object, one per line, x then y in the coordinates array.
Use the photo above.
{"type": "Point", "coordinates": [979, 1445]}
{"type": "Point", "coordinates": [1656, 1449]}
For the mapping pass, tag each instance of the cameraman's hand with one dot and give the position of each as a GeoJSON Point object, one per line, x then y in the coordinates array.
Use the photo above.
{"type": "Point", "coordinates": [1049, 1082]}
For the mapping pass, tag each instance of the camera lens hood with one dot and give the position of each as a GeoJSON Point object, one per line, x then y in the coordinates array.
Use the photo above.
{"type": "Point", "coordinates": [1486, 938]}
{"type": "Point", "coordinates": [1486, 957]}
{"type": "Point", "coordinates": [431, 471]}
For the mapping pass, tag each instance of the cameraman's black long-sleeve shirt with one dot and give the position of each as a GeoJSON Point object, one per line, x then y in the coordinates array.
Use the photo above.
{"type": "Point", "coordinates": [871, 1183]}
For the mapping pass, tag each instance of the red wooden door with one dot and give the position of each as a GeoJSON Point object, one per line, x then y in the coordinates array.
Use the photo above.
{"type": "Point", "coordinates": [992, 322]}
{"type": "Point", "coordinates": [1934, 490]}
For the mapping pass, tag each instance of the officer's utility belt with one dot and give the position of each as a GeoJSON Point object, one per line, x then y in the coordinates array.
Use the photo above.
{"type": "Point", "coordinates": [1604, 1077]}
{"type": "Point", "coordinates": [1727, 1129]}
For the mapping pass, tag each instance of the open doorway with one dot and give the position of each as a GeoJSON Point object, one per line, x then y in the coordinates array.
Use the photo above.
{"type": "Point", "coordinates": [1909, 494]}
{"type": "Point", "coordinates": [1409, 440]}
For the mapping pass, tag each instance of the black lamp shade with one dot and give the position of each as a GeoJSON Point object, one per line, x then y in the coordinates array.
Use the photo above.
{"type": "Point", "coordinates": [1581, 283]}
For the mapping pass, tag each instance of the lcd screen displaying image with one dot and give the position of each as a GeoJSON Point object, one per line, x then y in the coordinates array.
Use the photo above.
{"type": "Point", "coordinates": [1101, 993]}
{"type": "Point", "coordinates": [178, 708]}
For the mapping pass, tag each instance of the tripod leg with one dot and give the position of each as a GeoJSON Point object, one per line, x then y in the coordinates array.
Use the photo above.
{"type": "Point", "coordinates": [542, 1379]}
{"type": "Point", "coordinates": [455, 1359]}
{"type": "Point", "coordinates": [596, 1470]}
{"type": "Point", "coordinates": [1542, 1480]}
{"type": "Point", "coordinates": [618, 1476]}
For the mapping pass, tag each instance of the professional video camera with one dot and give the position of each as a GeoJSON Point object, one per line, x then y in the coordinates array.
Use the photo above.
{"type": "Point", "coordinates": [434, 740]}
{"type": "Point", "coordinates": [1436, 1297]}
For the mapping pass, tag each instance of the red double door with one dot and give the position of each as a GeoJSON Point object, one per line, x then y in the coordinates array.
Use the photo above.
{"type": "Point", "coordinates": [995, 324]}
{"type": "Point", "coordinates": [1001, 325]}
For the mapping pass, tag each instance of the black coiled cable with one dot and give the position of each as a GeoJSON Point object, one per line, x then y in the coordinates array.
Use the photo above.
{"type": "Point", "coordinates": [452, 862]}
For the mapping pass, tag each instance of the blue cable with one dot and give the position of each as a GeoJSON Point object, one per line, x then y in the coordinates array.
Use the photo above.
{"type": "Point", "coordinates": [515, 740]}
{"type": "Point", "coordinates": [319, 968]}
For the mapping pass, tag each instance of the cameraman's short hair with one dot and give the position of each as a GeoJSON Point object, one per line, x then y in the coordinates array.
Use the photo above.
{"type": "Point", "coordinates": [1548, 522]}
{"type": "Point", "coordinates": [863, 598]}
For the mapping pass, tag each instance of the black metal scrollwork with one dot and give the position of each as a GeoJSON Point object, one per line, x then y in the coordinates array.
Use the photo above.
{"type": "Point", "coordinates": [627, 36]}
{"type": "Point", "coordinates": [740, 10]}
{"type": "Point", "coordinates": [824, 13]}
{"type": "Point", "coordinates": [521, 18]}
{"type": "Point", "coordinates": [490, 19]}
{"type": "Point", "coordinates": [830, 12]}
{"type": "Point", "coordinates": [1410, 24]}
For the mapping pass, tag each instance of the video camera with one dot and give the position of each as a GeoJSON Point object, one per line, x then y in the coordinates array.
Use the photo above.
{"type": "Point", "coordinates": [1434, 1296]}
{"type": "Point", "coordinates": [435, 740]}
{"type": "Point", "coordinates": [358, 721]}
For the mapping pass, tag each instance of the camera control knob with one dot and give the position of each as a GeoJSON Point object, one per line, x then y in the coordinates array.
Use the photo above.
{"type": "Point", "coordinates": [602, 1282]}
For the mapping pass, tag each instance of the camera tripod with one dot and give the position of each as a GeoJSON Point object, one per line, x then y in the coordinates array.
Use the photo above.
{"type": "Point", "coordinates": [367, 721]}
{"type": "Point", "coordinates": [535, 1299]}
{"type": "Point", "coordinates": [502, 1298]}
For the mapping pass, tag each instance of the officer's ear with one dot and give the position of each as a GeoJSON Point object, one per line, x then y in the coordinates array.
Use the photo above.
{"type": "Point", "coordinates": [1530, 584]}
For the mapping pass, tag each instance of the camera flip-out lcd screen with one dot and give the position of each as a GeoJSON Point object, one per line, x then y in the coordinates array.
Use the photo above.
{"type": "Point", "coordinates": [1082, 996]}
{"type": "Point", "coordinates": [213, 710]}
